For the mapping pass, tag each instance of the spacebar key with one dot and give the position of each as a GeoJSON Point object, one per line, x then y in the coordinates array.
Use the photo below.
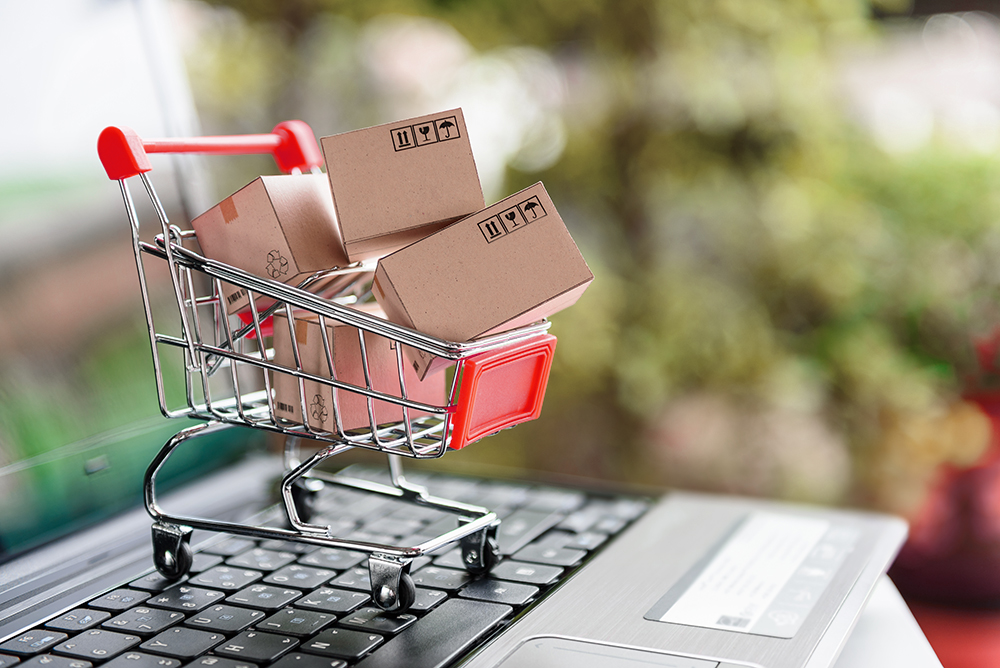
{"type": "Point", "coordinates": [442, 636]}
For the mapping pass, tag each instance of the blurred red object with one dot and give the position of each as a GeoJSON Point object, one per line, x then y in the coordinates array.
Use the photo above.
{"type": "Point", "coordinates": [953, 553]}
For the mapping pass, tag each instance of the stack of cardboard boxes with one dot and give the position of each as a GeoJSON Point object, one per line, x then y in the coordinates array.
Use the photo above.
{"type": "Point", "coordinates": [407, 193]}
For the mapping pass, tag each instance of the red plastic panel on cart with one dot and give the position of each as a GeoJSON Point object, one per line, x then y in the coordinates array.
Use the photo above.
{"type": "Point", "coordinates": [502, 388]}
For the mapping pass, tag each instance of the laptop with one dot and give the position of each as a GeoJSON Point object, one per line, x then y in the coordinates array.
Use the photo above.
{"type": "Point", "coordinates": [586, 578]}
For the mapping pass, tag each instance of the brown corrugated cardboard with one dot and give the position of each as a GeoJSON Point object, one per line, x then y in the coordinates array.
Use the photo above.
{"type": "Point", "coordinates": [281, 227]}
{"type": "Point", "coordinates": [348, 367]}
{"type": "Point", "coordinates": [396, 183]}
{"type": "Point", "coordinates": [507, 266]}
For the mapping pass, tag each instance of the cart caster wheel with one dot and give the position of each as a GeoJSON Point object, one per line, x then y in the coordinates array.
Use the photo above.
{"type": "Point", "coordinates": [172, 554]}
{"type": "Point", "coordinates": [405, 597]}
{"type": "Point", "coordinates": [480, 551]}
{"type": "Point", "coordinates": [304, 493]}
{"type": "Point", "coordinates": [393, 588]}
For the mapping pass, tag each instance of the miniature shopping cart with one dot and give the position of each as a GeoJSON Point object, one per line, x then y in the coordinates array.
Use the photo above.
{"type": "Point", "coordinates": [229, 371]}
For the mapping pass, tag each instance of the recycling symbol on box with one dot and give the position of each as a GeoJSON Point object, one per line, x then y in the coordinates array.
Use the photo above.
{"type": "Point", "coordinates": [318, 409]}
{"type": "Point", "coordinates": [277, 265]}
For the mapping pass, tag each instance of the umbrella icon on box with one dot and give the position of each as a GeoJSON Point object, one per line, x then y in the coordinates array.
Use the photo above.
{"type": "Point", "coordinates": [530, 208]}
{"type": "Point", "coordinates": [446, 126]}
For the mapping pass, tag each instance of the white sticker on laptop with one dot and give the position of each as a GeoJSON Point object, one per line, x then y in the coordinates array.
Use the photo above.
{"type": "Point", "coordinates": [764, 579]}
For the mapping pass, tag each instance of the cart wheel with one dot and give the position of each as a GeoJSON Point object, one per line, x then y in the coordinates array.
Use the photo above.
{"type": "Point", "coordinates": [172, 554]}
{"type": "Point", "coordinates": [407, 593]}
{"type": "Point", "coordinates": [480, 551]}
{"type": "Point", "coordinates": [405, 597]}
{"type": "Point", "coordinates": [393, 588]}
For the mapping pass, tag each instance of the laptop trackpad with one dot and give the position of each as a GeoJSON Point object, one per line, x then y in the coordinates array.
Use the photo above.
{"type": "Point", "coordinates": [545, 652]}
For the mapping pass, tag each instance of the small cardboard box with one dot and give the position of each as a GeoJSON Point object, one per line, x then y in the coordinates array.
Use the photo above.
{"type": "Point", "coordinates": [396, 183]}
{"type": "Point", "coordinates": [281, 227]}
{"type": "Point", "coordinates": [507, 266]}
{"type": "Point", "coordinates": [348, 367]}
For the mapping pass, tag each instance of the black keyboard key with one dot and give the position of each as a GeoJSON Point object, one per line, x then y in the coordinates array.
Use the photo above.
{"type": "Point", "coordinates": [303, 577]}
{"type": "Point", "coordinates": [97, 645]}
{"type": "Point", "coordinates": [7, 660]}
{"type": "Point", "coordinates": [448, 579]}
{"type": "Point", "coordinates": [377, 620]}
{"type": "Point", "coordinates": [230, 547]}
{"type": "Point", "coordinates": [257, 647]}
{"type": "Point", "coordinates": [411, 511]}
{"type": "Point", "coordinates": [331, 557]}
{"type": "Point", "coordinates": [519, 571]}
{"type": "Point", "coordinates": [427, 599]}
{"type": "Point", "coordinates": [443, 635]}
{"type": "Point", "coordinates": [299, 660]}
{"type": "Point", "coordinates": [119, 599]}
{"type": "Point", "coordinates": [182, 642]}
{"type": "Point", "coordinates": [143, 621]}
{"type": "Point", "coordinates": [224, 619]}
{"type": "Point", "coordinates": [393, 526]}
{"type": "Point", "coordinates": [80, 619]}
{"type": "Point", "coordinates": [185, 598]}
{"type": "Point", "coordinates": [556, 500]}
{"type": "Point", "coordinates": [356, 578]}
{"type": "Point", "coordinates": [343, 644]}
{"type": "Point", "coordinates": [337, 601]}
{"type": "Point", "coordinates": [523, 526]}
{"type": "Point", "coordinates": [552, 556]}
{"type": "Point", "coordinates": [261, 559]}
{"type": "Point", "coordinates": [584, 518]}
{"type": "Point", "coordinates": [264, 597]}
{"type": "Point", "coordinates": [226, 577]}
{"type": "Point", "coordinates": [289, 546]}
{"type": "Point", "coordinates": [297, 622]}
{"type": "Point", "coordinates": [219, 662]}
{"type": "Point", "coordinates": [32, 642]}
{"type": "Point", "coordinates": [154, 582]}
{"type": "Point", "coordinates": [610, 525]}
{"type": "Point", "coordinates": [203, 561]}
{"type": "Point", "coordinates": [498, 591]}
{"type": "Point", "coordinates": [142, 660]}
{"type": "Point", "coordinates": [629, 509]}
{"type": "Point", "coordinates": [586, 540]}
{"type": "Point", "coordinates": [53, 661]}
{"type": "Point", "coordinates": [450, 559]}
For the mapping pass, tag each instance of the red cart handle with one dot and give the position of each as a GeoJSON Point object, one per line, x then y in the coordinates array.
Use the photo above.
{"type": "Point", "coordinates": [292, 143]}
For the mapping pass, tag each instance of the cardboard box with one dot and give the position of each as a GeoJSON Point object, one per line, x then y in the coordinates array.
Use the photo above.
{"type": "Point", "coordinates": [507, 266]}
{"type": "Point", "coordinates": [281, 227]}
{"type": "Point", "coordinates": [396, 183]}
{"type": "Point", "coordinates": [348, 367]}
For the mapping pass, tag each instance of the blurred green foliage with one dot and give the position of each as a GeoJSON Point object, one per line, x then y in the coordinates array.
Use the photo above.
{"type": "Point", "coordinates": [750, 242]}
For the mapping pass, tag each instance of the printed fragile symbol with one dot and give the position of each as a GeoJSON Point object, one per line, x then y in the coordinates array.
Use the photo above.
{"type": "Point", "coordinates": [276, 264]}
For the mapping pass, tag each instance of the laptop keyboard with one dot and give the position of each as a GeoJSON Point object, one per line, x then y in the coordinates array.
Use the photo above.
{"type": "Point", "coordinates": [253, 603]}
